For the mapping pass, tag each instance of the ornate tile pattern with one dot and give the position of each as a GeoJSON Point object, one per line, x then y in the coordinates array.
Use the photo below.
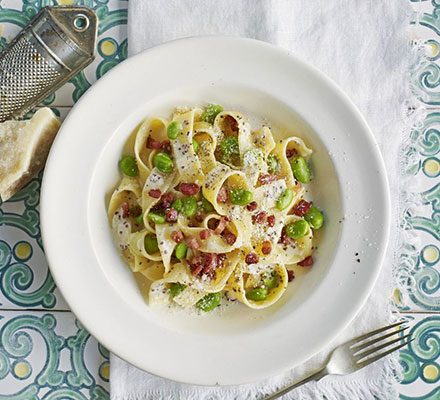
{"type": "Point", "coordinates": [420, 360]}
{"type": "Point", "coordinates": [44, 351]}
{"type": "Point", "coordinates": [50, 355]}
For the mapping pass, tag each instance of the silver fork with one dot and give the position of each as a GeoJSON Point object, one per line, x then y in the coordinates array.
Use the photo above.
{"type": "Point", "coordinates": [356, 354]}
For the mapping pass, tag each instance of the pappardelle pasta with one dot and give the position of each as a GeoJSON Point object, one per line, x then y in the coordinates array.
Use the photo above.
{"type": "Point", "coordinates": [210, 209]}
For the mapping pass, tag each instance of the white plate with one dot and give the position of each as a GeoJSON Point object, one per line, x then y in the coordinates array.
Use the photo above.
{"type": "Point", "coordinates": [237, 345]}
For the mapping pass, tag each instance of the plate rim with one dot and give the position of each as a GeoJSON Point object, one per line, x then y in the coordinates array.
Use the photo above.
{"type": "Point", "coordinates": [46, 187]}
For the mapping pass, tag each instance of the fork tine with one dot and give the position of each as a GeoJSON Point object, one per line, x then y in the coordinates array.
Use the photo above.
{"type": "Point", "coordinates": [369, 334]}
{"type": "Point", "coordinates": [381, 355]}
{"type": "Point", "coordinates": [367, 352]}
{"type": "Point", "coordinates": [379, 339]}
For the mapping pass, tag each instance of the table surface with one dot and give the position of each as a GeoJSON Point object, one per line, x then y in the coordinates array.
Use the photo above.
{"type": "Point", "coordinates": [44, 350]}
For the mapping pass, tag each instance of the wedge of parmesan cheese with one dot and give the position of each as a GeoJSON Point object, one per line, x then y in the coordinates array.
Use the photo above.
{"type": "Point", "coordinates": [24, 146]}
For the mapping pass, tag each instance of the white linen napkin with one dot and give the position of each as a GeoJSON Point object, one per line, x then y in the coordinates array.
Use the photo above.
{"type": "Point", "coordinates": [363, 46]}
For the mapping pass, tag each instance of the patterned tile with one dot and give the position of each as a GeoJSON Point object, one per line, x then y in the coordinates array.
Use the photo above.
{"type": "Point", "coordinates": [423, 151]}
{"type": "Point", "coordinates": [418, 278]}
{"type": "Point", "coordinates": [420, 360]}
{"type": "Point", "coordinates": [25, 280]}
{"type": "Point", "coordinates": [50, 356]}
{"type": "Point", "coordinates": [426, 30]}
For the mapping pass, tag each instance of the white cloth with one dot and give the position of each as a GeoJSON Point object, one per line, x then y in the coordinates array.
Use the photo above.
{"type": "Point", "coordinates": [363, 46]}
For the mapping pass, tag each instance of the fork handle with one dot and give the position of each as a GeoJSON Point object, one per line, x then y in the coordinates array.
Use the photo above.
{"type": "Point", "coordinates": [314, 377]}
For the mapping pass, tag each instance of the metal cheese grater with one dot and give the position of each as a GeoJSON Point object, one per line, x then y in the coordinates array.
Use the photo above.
{"type": "Point", "coordinates": [55, 46]}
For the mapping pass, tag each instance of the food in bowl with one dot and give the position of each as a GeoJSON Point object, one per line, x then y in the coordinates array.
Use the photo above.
{"type": "Point", "coordinates": [210, 209]}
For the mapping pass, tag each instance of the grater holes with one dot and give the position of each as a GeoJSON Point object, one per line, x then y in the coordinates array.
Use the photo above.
{"type": "Point", "coordinates": [24, 74]}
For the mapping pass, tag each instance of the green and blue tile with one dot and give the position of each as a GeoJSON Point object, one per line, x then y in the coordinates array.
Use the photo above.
{"type": "Point", "coordinates": [418, 278]}
{"type": "Point", "coordinates": [50, 355]}
{"type": "Point", "coordinates": [420, 359]}
{"type": "Point", "coordinates": [426, 31]}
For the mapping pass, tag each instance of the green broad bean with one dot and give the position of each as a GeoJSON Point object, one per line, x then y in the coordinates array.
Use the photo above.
{"type": "Point", "coordinates": [163, 162]}
{"type": "Point", "coordinates": [207, 206]}
{"type": "Point", "coordinates": [209, 302]}
{"type": "Point", "coordinates": [150, 244]}
{"type": "Point", "coordinates": [271, 281]}
{"type": "Point", "coordinates": [285, 199]}
{"type": "Point", "coordinates": [176, 288]}
{"type": "Point", "coordinates": [273, 164]}
{"type": "Point", "coordinates": [300, 169]}
{"type": "Point", "coordinates": [177, 204]}
{"type": "Point", "coordinates": [156, 217]}
{"type": "Point", "coordinates": [297, 229]}
{"type": "Point", "coordinates": [257, 294]}
{"type": "Point", "coordinates": [189, 206]}
{"type": "Point", "coordinates": [314, 217]}
{"type": "Point", "coordinates": [230, 150]}
{"type": "Point", "coordinates": [139, 219]}
{"type": "Point", "coordinates": [181, 250]}
{"type": "Point", "coordinates": [128, 166]}
{"type": "Point", "coordinates": [173, 129]}
{"type": "Point", "coordinates": [241, 197]}
{"type": "Point", "coordinates": [195, 145]}
{"type": "Point", "coordinates": [210, 112]}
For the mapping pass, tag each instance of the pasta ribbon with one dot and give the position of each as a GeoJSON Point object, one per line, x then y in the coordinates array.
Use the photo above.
{"type": "Point", "coordinates": [280, 151]}
{"type": "Point", "coordinates": [222, 177]}
{"type": "Point", "coordinates": [159, 290]}
{"type": "Point", "coordinates": [154, 129]}
{"type": "Point", "coordinates": [128, 192]}
{"type": "Point", "coordinates": [294, 250]}
{"type": "Point", "coordinates": [137, 246]}
{"type": "Point", "coordinates": [187, 162]}
{"type": "Point", "coordinates": [243, 281]}
{"type": "Point", "coordinates": [155, 181]}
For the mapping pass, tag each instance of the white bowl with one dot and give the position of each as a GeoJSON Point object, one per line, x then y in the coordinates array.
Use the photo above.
{"type": "Point", "coordinates": [238, 344]}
